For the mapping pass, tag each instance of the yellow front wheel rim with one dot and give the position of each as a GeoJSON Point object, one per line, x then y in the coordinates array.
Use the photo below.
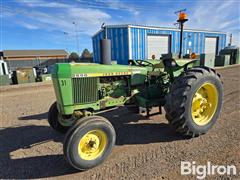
{"type": "Point", "coordinates": [92, 144]}
{"type": "Point", "coordinates": [204, 104]}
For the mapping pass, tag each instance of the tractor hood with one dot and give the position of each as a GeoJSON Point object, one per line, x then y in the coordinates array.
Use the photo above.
{"type": "Point", "coordinates": [75, 70]}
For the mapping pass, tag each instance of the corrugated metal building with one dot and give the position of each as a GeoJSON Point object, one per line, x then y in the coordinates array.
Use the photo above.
{"type": "Point", "coordinates": [141, 42]}
{"type": "Point", "coordinates": [31, 58]}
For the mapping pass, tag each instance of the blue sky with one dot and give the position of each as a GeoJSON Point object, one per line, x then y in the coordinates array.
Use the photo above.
{"type": "Point", "coordinates": [40, 24]}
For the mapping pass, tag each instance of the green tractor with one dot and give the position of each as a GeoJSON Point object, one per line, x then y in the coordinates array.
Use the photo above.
{"type": "Point", "coordinates": [190, 94]}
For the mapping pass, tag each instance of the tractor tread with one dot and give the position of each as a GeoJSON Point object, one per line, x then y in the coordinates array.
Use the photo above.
{"type": "Point", "coordinates": [176, 99]}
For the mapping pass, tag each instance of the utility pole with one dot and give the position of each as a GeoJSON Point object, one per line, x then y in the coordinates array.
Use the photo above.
{"type": "Point", "coordinates": [230, 40]}
{"type": "Point", "coordinates": [77, 38]}
{"type": "Point", "coordinates": [66, 34]}
{"type": "Point", "coordinates": [182, 18]}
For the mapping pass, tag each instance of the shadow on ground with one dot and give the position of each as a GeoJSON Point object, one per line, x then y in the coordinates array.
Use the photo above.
{"type": "Point", "coordinates": [15, 138]}
{"type": "Point", "coordinates": [41, 116]}
{"type": "Point", "coordinates": [139, 133]}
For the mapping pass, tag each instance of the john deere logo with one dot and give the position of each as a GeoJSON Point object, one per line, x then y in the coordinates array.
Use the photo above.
{"type": "Point", "coordinates": [101, 74]}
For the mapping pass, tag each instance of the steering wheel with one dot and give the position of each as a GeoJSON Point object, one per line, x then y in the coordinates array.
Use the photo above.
{"type": "Point", "coordinates": [143, 63]}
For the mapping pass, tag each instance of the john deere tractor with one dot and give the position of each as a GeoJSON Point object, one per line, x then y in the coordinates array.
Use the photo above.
{"type": "Point", "coordinates": [190, 94]}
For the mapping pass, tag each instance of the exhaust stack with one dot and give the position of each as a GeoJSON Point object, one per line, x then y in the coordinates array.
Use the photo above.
{"type": "Point", "coordinates": [105, 48]}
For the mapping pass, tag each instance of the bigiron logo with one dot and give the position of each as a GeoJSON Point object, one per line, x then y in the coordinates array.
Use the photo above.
{"type": "Point", "coordinates": [202, 171]}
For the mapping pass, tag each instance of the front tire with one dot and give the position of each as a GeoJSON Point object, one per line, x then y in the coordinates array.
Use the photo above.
{"type": "Point", "coordinates": [53, 120]}
{"type": "Point", "coordinates": [194, 101]}
{"type": "Point", "coordinates": [89, 142]}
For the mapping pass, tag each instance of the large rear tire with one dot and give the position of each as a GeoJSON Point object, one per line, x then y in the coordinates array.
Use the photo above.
{"type": "Point", "coordinates": [89, 142]}
{"type": "Point", "coordinates": [53, 120]}
{"type": "Point", "coordinates": [194, 101]}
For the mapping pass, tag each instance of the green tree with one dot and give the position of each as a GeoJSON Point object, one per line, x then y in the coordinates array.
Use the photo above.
{"type": "Point", "coordinates": [74, 57]}
{"type": "Point", "coordinates": [86, 54]}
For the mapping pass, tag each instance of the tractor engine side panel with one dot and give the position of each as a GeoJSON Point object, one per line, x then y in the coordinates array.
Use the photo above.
{"type": "Point", "coordinates": [114, 87]}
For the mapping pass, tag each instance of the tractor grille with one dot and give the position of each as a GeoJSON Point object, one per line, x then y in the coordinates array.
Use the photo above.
{"type": "Point", "coordinates": [85, 90]}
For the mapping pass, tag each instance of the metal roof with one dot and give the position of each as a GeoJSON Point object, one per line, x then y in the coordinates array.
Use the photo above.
{"type": "Point", "coordinates": [158, 28]}
{"type": "Point", "coordinates": [35, 53]}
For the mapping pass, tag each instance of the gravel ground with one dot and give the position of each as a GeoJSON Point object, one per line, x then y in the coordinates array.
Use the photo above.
{"type": "Point", "coordinates": [145, 148]}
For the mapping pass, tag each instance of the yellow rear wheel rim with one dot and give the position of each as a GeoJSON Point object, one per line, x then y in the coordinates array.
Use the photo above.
{"type": "Point", "coordinates": [92, 144]}
{"type": "Point", "coordinates": [204, 104]}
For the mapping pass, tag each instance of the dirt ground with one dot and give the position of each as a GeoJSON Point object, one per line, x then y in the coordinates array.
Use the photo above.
{"type": "Point", "coordinates": [145, 148]}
